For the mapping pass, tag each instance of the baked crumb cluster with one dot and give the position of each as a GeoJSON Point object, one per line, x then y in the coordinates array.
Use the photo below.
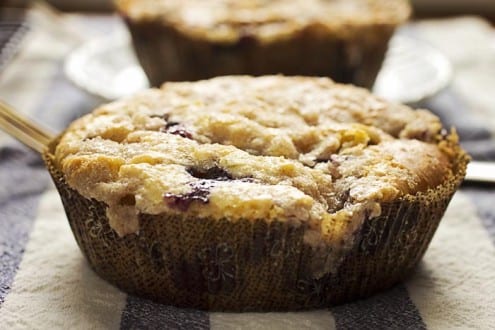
{"type": "Point", "coordinates": [229, 20]}
{"type": "Point", "coordinates": [302, 150]}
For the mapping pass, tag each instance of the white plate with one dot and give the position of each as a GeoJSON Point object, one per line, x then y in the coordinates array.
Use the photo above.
{"type": "Point", "coordinates": [412, 71]}
{"type": "Point", "coordinates": [106, 68]}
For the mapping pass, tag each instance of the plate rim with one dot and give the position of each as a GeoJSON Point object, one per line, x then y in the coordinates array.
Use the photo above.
{"type": "Point", "coordinates": [101, 44]}
{"type": "Point", "coordinates": [445, 79]}
{"type": "Point", "coordinates": [92, 46]}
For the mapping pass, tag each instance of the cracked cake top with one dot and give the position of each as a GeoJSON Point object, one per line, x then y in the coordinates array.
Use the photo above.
{"type": "Point", "coordinates": [301, 150]}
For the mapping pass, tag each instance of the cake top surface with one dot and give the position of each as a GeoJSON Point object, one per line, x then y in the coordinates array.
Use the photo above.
{"type": "Point", "coordinates": [229, 19]}
{"type": "Point", "coordinates": [304, 150]}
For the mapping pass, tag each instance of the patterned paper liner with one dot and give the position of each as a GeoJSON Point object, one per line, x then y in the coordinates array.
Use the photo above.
{"type": "Point", "coordinates": [168, 55]}
{"type": "Point", "coordinates": [253, 265]}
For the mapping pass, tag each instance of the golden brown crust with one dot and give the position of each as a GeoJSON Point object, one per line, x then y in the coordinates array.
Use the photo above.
{"type": "Point", "coordinates": [226, 21]}
{"type": "Point", "coordinates": [301, 150]}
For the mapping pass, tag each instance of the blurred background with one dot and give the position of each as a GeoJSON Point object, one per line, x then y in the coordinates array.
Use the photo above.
{"type": "Point", "coordinates": [423, 8]}
{"type": "Point", "coordinates": [462, 30]}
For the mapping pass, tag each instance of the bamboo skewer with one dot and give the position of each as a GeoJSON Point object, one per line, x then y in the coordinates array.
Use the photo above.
{"type": "Point", "coordinates": [24, 129]}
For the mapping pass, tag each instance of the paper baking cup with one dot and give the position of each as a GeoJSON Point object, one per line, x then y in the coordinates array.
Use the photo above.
{"type": "Point", "coordinates": [250, 265]}
{"type": "Point", "coordinates": [168, 55]}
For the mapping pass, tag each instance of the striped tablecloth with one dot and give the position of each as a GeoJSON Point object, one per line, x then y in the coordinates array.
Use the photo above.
{"type": "Point", "coordinates": [45, 283]}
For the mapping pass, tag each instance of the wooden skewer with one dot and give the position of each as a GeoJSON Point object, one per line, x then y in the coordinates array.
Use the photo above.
{"type": "Point", "coordinates": [24, 129]}
{"type": "Point", "coordinates": [16, 123]}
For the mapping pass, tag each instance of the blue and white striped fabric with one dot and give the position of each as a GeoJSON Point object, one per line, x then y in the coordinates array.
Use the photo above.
{"type": "Point", "coordinates": [45, 283]}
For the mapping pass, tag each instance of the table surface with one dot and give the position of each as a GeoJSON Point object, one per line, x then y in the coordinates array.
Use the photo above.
{"type": "Point", "coordinates": [46, 283]}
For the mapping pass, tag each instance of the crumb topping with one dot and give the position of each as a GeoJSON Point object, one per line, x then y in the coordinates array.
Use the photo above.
{"type": "Point", "coordinates": [231, 20]}
{"type": "Point", "coordinates": [302, 150]}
